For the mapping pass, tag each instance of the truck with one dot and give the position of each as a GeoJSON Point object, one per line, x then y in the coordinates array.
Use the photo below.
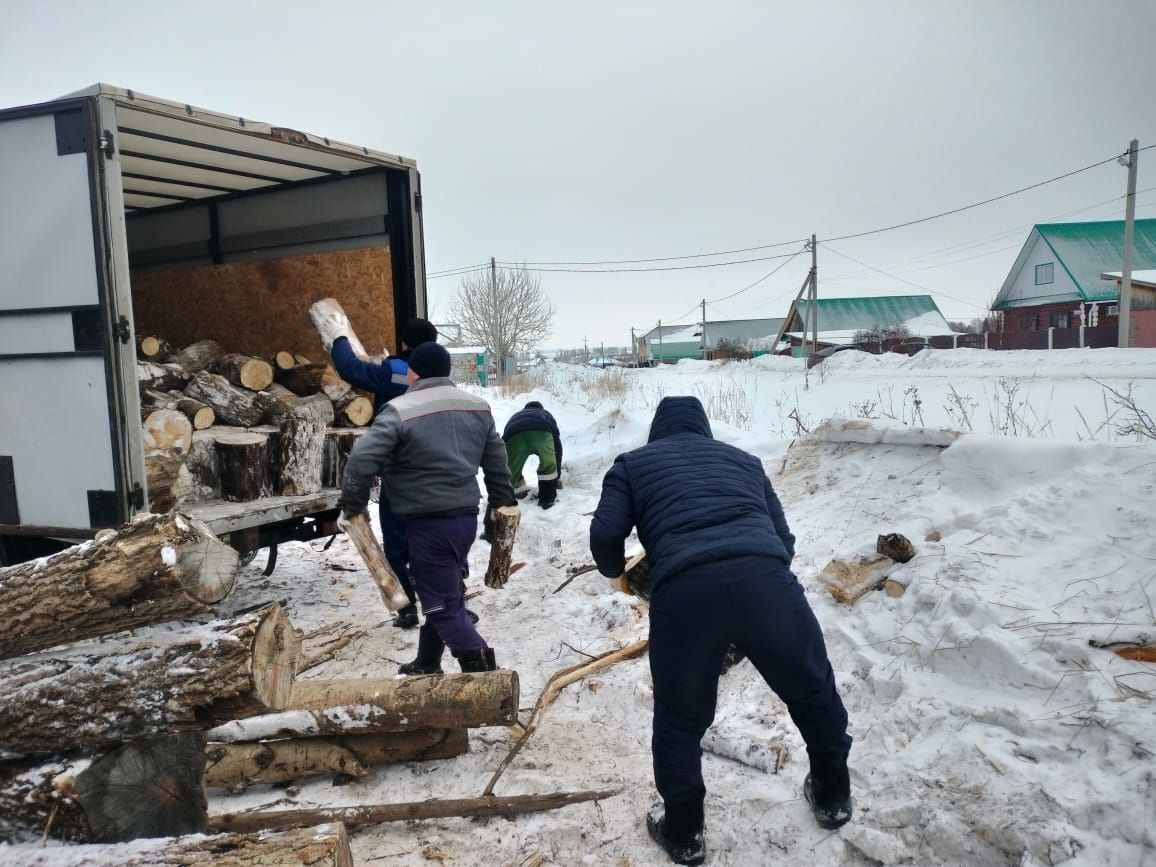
{"type": "Point", "coordinates": [122, 214]}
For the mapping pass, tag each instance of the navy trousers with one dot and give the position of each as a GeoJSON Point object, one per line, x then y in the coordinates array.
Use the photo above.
{"type": "Point", "coordinates": [439, 546]}
{"type": "Point", "coordinates": [756, 604]}
{"type": "Point", "coordinates": [394, 541]}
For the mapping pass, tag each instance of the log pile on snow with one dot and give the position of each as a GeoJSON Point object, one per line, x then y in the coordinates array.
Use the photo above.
{"type": "Point", "coordinates": [220, 424]}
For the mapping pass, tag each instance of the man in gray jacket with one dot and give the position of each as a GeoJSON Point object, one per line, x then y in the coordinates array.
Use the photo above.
{"type": "Point", "coordinates": [427, 445]}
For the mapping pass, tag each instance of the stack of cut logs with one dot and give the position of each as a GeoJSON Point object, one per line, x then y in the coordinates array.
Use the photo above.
{"type": "Point", "coordinates": [111, 726]}
{"type": "Point", "coordinates": [223, 425]}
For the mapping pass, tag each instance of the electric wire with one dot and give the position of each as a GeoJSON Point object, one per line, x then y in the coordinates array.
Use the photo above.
{"type": "Point", "coordinates": [896, 277]}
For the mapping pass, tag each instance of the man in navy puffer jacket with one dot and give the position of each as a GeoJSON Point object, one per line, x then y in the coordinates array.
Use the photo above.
{"type": "Point", "coordinates": [719, 550]}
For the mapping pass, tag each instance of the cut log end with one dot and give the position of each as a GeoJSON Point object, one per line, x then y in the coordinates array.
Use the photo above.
{"type": "Point", "coordinates": [275, 650]}
{"type": "Point", "coordinates": [284, 361]}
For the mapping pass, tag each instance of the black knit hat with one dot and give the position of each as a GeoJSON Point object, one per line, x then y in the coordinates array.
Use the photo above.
{"type": "Point", "coordinates": [418, 331]}
{"type": "Point", "coordinates": [430, 360]}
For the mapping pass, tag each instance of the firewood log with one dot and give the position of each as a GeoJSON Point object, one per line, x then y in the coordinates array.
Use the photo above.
{"type": "Point", "coordinates": [204, 467]}
{"type": "Point", "coordinates": [153, 569]}
{"type": "Point", "coordinates": [329, 311]}
{"type": "Point", "coordinates": [371, 814]}
{"type": "Point", "coordinates": [199, 415]}
{"type": "Point", "coordinates": [325, 845]}
{"type": "Point", "coordinates": [282, 361]}
{"type": "Point", "coordinates": [149, 788]}
{"type": "Point", "coordinates": [243, 459]}
{"type": "Point", "coordinates": [166, 430]}
{"type": "Point", "coordinates": [245, 371]}
{"type": "Point", "coordinates": [301, 359]}
{"type": "Point", "coordinates": [152, 348]}
{"type": "Point", "coordinates": [338, 444]}
{"type": "Point", "coordinates": [278, 403]}
{"type": "Point", "coordinates": [353, 410]}
{"type": "Point", "coordinates": [167, 479]}
{"type": "Point", "coordinates": [306, 379]}
{"type": "Point", "coordinates": [237, 766]}
{"type": "Point", "coordinates": [232, 404]}
{"type": "Point", "coordinates": [506, 520]}
{"type": "Point", "coordinates": [848, 580]}
{"type": "Point", "coordinates": [361, 534]}
{"type": "Point", "coordinates": [198, 356]}
{"type": "Point", "coordinates": [342, 707]}
{"type": "Point", "coordinates": [300, 449]}
{"type": "Point", "coordinates": [94, 695]}
{"type": "Point", "coordinates": [161, 377]}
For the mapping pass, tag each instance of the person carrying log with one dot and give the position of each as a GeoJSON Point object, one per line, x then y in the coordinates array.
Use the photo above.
{"type": "Point", "coordinates": [719, 552]}
{"type": "Point", "coordinates": [385, 379]}
{"type": "Point", "coordinates": [532, 430]}
{"type": "Point", "coordinates": [428, 445]}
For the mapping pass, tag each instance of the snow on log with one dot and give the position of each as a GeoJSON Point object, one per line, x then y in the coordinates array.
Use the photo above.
{"type": "Point", "coordinates": [94, 695]}
{"type": "Point", "coordinates": [341, 707]}
{"type": "Point", "coordinates": [236, 766]}
{"type": "Point", "coordinates": [232, 405]}
{"type": "Point", "coordinates": [847, 580]}
{"type": "Point", "coordinates": [149, 788]}
{"type": "Point", "coordinates": [324, 845]}
{"type": "Point", "coordinates": [153, 569]}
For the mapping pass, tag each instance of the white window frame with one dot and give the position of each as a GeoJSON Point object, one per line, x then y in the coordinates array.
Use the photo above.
{"type": "Point", "coordinates": [1051, 273]}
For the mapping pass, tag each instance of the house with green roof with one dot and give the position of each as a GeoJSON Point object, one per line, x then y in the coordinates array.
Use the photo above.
{"type": "Point", "coordinates": [1054, 295]}
{"type": "Point", "coordinates": [840, 319]}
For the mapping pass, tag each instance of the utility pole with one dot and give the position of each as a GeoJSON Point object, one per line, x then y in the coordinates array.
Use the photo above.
{"type": "Point", "coordinates": [602, 360]}
{"type": "Point", "coordinates": [585, 352]}
{"type": "Point", "coordinates": [494, 323]}
{"type": "Point", "coordinates": [1125, 338]}
{"type": "Point", "coordinates": [704, 329]}
{"type": "Point", "coordinates": [814, 296]}
{"type": "Point", "coordinates": [633, 347]}
{"type": "Point", "coordinates": [661, 352]}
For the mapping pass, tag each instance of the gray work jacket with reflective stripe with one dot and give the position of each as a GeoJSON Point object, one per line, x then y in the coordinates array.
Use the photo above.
{"type": "Point", "coordinates": [427, 445]}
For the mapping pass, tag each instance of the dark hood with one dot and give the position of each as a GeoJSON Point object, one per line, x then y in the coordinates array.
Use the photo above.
{"type": "Point", "coordinates": [677, 415]}
{"type": "Point", "coordinates": [534, 404]}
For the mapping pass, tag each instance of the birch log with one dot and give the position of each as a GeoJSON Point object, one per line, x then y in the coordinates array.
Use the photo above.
{"type": "Point", "coordinates": [233, 405]}
{"type": "Point", "coordinates": [506, 520]}
{"type": "Point", "coordinates": [153, 569]}
{"type": "Point", "coordinates": [300, 449]}
{"type": "Point", "coordinates": [152, 348]}
{"type": "Point", "coordinates": [328, 316]}
{"type": "Point", "coordinates": [353, 410]}
{"type": "Point", "coordinates": [161, 377]}
{"type": "Point", "coordinates": [338, 444]}
{"type": "Point", "coordinates": [848, 580]}
{"type": "Point", "coordinates": [199, 415]}
{"type": "Point", "coordinates": [204, 467]}
{"type": "Point", "coordinates": [237, 766]}
{"type": "Point", "coordinates": [169, 482]}
{"type": "Point", "coordinates": [245, 371]}
{"type": "Point", "coordinates": [94, 695]}
{"type": "Point", "coordinates": [325, 845]}
{"type": "Point", "coordinates": [361, 534]}
{"type": "Point", "coordinates": [150, 788]}
{"type": "Point", "coordinates": [198, 356]}
{"type": "Point", "coordinates": [343, 707]}
{"type": "Point", "coordinates": [242, 459]}
{"type": "Point", "coordinates": [166, 430]}
{"type": "Point", "coordinates": [282, 361]}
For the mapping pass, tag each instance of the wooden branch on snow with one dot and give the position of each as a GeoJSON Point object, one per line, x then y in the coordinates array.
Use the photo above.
{"type": "Point", "coordinates": [146, 789]}
{"type": "Point", "coordinates": [372, 814]}
{"type": "Point", "coordinates": [94, 695]}
{"type": "Point", "coordinates": [558, 682]}
{"type": "Point", "coordinates": [341, 707]}
{"type": "Point", "coordinates": [153, 569]}
{"type": "Point", "coordinates": [506, 520]}
{"type": "Point", "coordinates": [236, 766]}
{"type": "Point", "coordinates": [320, 846]}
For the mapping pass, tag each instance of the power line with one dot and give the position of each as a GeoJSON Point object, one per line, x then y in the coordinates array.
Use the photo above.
{"type": "Point", "coordinates": [674, 258]}
{"type": "Point", "coordinates": [984, 202]}
{"type": "Point", "coordinates": [770, 273]}
{"type": "Point", "coordinates": [645, 270]}
{"type": "Point", "coordinates": [895, 277]}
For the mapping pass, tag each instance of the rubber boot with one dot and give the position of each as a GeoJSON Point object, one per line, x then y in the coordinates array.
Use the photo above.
{"type": "Point", "coordinates": [677, 828]}
{"type": "Point", "coordinates": [828, 791]}
{"type": "Point", "coordinates": [477, 660]}
{"type": "Point", "coordinates": [547, 493]}
{"type": "Point", "coordinates": [429, 654]}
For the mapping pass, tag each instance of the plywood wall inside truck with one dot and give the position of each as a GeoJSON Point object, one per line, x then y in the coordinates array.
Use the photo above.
{"type": "Point", "coordinates": [262, 307]}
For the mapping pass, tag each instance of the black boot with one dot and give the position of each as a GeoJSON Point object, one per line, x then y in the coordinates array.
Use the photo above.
{"type": "Point", "coordinates": [429, 654]}
{"type": "Point", "coordinates": [547, 493]}
{"type": "Point", "coordinates": [477, 660]}
{"type": "Point", "coordinates": [828, 791]}
{"type": "Point", "coordinates": [677, 828]}
{"type": "Point", "coordinates": [407, 617]}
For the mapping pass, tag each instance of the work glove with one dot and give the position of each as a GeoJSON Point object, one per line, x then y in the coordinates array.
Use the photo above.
{"type": "Point", "coordinates": [330, 323]}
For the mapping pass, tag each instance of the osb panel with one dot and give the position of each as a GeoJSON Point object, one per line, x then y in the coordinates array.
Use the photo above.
{"type": "Point", "coordinates": [260, 308]}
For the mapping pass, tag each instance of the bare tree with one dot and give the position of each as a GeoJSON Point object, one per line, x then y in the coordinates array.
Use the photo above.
{"type": "Point", "coordinates": [505, 311]}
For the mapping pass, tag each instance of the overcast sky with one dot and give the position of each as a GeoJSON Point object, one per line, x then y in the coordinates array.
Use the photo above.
{"type": "Point", "coordinates": [608, 131]}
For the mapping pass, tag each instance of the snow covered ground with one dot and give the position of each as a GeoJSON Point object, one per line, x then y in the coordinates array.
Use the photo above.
{"type": "Point", "coordinates": [989, 729]}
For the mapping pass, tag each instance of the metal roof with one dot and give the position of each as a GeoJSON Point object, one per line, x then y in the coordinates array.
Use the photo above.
{"type": "Point", "coordinates": [741, 330]}
{"type": "Point", "coordinates": [1085, 251]}
{"type": "Point", "coordinates": [173, 153]}
{"type": "Point", "coordinates": [865, 314]}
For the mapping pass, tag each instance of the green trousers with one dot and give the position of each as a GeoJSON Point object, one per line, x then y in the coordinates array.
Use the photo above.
{"type": "Point", "coordinates": [520, 446]}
